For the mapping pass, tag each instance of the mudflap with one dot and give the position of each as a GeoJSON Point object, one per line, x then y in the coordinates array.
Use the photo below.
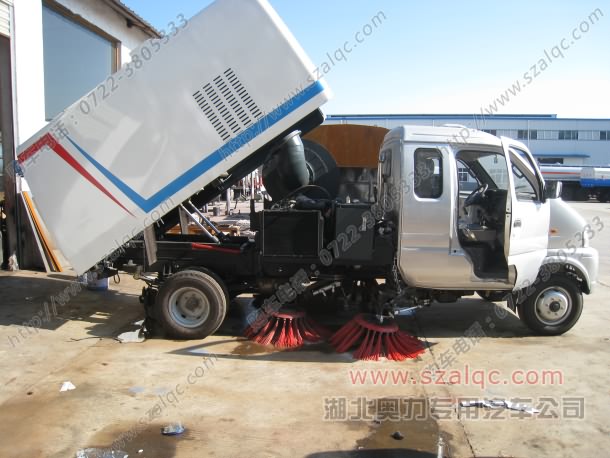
{"type": "Point", "coordinates": [151, 325]}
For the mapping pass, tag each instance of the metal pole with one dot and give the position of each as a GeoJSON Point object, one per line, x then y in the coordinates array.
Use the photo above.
{"type": "Point", "coordinates": [201, 226]}
{"type": "Point", "coordinates": [217, 232]}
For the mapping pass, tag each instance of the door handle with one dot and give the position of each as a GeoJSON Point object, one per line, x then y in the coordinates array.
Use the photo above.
{"type": "Point", "coordinates": [517, 223]}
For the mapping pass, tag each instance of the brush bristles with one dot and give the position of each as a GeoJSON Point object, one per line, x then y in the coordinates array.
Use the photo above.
{"type": "Point", "coordinates": [285, 331]}
{"type": "Point", "coordinates": [375, 341]}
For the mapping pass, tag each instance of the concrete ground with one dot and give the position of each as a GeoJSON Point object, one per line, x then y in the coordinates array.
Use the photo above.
{"type": "Point", "coordinates": [237, 399]}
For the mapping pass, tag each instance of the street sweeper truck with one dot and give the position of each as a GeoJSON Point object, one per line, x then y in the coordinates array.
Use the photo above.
{"type": "Point", "coordinates": [230, 91]}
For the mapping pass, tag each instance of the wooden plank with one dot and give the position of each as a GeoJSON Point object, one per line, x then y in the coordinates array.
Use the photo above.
{"type": "Point", "coordinates": [40, 253]}
{"type": "Point", "coordinates": [46, 243]}
{"type": "Point", "coordinates": [351, 145]}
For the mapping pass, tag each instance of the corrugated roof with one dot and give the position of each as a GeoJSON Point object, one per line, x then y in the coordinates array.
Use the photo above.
{"type": "Point", "coordinates": [132, 17]}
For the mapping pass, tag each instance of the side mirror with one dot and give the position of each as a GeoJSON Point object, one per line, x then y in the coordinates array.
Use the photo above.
{"type": "Point", "coordinates": [552, 189]}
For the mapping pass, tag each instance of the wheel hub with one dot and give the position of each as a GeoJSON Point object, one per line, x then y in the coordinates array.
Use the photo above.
{"type": "Point", "coordinates": [189, 307]}
{"type": "Point", "coordinates": [553, 306]}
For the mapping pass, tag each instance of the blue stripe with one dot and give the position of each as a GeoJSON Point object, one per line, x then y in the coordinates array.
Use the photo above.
{"type": "Point", "coordinates": [593, 183]}
{"type": "Point", "coordinates": [267, 121]}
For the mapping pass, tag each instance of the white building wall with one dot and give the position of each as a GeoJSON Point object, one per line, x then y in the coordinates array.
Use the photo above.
{"type": "Point", "coordinates": [28, 68]}
{"type": "Point", "coordinates": [29, 61]}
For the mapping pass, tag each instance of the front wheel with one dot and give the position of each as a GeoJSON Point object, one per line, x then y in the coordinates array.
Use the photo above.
{"type": "Point", "coordinates": [191, 304]}
{"type": "Point", "coordinates": [551, 307]}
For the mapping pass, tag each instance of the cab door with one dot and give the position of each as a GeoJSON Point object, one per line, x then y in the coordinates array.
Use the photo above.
{"type": "Point", "coordinates": [526, 230]}
{"type": "Point", "coordinates": [426, 215]}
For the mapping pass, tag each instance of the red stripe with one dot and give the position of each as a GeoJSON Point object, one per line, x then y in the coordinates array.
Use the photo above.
{"type": "Point", "coordinates": [52, 143]}
{"type": "Point", "coordinates": [60, 150]}
{"type": "Point", "coordinates": [46, 139]}
{"type": "Point", "coordinates": [201, 246]}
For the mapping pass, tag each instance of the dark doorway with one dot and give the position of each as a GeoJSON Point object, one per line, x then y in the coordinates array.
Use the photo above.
{"type": "Point", "coordinates": [7, 155]}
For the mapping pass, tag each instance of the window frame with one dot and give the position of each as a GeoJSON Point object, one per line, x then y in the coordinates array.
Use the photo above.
{"type": "Point", "coordinates": [115, 61]}
{"type": "Point", "coordinates": [526, 170]}
{"type": "Point", "coordinates": [417, 180]}
{"type": "Point", "coordinates": [115, 58]}
{"type": "Point", "coordinates": [569, 135]}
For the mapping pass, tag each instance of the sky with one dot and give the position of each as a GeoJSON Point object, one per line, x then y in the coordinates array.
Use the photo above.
{"type": "Point", "coordinates": [526, 57]}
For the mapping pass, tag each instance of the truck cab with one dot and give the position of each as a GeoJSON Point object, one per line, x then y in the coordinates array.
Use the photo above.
{"type": "Point", "coordinates": [493, 236]}
{"type": "Point", "coordinates": [473, 213]}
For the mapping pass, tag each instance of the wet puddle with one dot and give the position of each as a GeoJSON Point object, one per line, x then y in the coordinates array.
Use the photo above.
{"type": "Point", "coordinates": [141, 442]}
{"type": "Point", "coordinates": [416, 432]}
{"type": "Point", "coordinates": [247, 348]}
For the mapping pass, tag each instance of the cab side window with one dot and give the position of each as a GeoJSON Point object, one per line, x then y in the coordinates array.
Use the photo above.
{"type": "Point", "coordinates": [524, 188]}
{"type": "Point", "coordinates": [428, 176]}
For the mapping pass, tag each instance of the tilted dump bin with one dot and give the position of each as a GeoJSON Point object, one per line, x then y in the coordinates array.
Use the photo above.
{"type": "Point", "coordinates": [187, 108]}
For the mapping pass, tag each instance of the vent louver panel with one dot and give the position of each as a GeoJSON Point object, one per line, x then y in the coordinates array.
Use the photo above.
{"type": "Point", "coordinates": [227, 105]}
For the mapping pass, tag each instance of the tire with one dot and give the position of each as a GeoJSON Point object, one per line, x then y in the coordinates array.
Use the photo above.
{"type": "Point", "coordinates": [493, 296]}
{"type": "Point", "coordinates": [539, 309]}
{"type": "Point", "coordinates": [191, 304]}
{"type": "Point", "coordinates": [568, 192]}
{"type": "Point", "coordinates": [582, 194]}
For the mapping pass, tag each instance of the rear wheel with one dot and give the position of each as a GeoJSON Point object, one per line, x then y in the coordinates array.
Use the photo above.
{"type": "Point", "coordinates": [552, 307]}
{"type": "Point", "coordinates": [191, 304]}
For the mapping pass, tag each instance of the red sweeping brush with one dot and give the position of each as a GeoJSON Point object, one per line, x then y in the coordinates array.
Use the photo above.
{"type": "Point", "coordinates": [287, 329]}
{"type": "Point", "coordinates": [379, 340]}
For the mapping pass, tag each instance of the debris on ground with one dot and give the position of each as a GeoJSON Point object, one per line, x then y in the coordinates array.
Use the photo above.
{"type": "Point", "coordinates": [101, 453]}
{"type": "Point", "coordinates": [136, 336]}
{"type": "Point", "coordinates": [13, 265]}
{"type": "Point", "coordinates": [398, 436]}
{"type": "Point", "coordinates": [499, 404]}
{"type": "Point", "coordinates": [440, 452]}
{"type": "Point", "coordinates": [67, 386]}
{"type": "Point", "coordinates": [172, 430]}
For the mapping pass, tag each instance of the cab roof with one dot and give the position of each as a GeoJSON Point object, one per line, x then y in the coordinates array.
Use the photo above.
{"type": "Point", "coordinates": [442, 134]}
